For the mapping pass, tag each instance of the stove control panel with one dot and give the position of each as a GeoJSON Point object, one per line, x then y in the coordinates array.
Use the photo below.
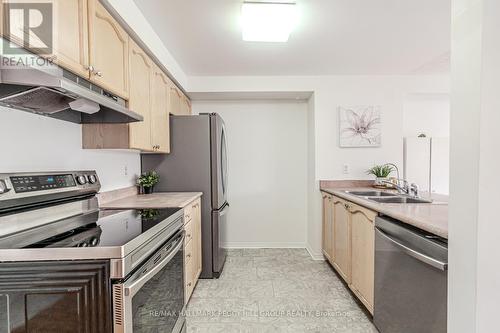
{"type": "Point", "coordinates": [38, 183]}
{"type": "Point", "coordinates": [22, 183]}
{"type": "Point", "coordinates": [26, 189]}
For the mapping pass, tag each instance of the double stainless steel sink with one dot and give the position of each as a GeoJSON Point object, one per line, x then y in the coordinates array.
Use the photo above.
{"type": "Point", "coordinates": [388, 197]}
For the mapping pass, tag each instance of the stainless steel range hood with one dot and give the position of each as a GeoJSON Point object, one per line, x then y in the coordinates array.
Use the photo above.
{"type": "Point", "coordinates": [52, 91]}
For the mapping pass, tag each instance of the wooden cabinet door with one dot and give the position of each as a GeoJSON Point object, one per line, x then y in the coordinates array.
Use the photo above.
{"type": "Point", "coordinates": [342, 238]}
{"type": "Point", "coordinates": [328, 237]}
{"type": "Point", "coordinates": [185, 105]}
{"type": "Point", "coordinates": [363, 254]}
{"type": "Point", "coordinates": [109, 51]}
{"type": "Point", "coordinates": [71, 39]}
{"type": "Point", "coordinates": [175, 99]}
{"type": "Point", "coordinates": [160, 124]}
{"type": "Point", "coordinates": [141, 69]}
{"type": "Point", "coordinates": [197, 237]}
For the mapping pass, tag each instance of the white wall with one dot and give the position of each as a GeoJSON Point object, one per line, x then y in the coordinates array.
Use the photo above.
{"type": "Point", "coordinates": [428, 114]}
{"type": "Point", "coordinates": [30, 143]}
{"type": "Point", "coordinates": [267, 159]}
{"type": "Point", "coordinates": [474, 256]}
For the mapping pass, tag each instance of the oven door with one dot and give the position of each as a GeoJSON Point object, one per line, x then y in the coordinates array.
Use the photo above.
{"type": "Point", "coordinates": [152, 298]}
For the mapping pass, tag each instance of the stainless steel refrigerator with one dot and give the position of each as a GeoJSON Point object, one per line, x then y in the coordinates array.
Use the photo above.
{"type": "Point", "coordinates": [198, 162]}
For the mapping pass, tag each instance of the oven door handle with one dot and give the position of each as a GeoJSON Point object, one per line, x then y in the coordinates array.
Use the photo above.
{"type": "Point", "coordinates": [443, 266]}
{"type": "Point", "coordinates": [134, 286]}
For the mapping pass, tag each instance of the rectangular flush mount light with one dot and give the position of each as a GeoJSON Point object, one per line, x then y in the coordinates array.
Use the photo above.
{"type": "Point", "coordinates": [268, 21]}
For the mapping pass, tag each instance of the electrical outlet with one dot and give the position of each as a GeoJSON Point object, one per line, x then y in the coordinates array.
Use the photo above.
{"type": "Point", "coordinates": [345, 169]}
{"type": "Point", "coordinates": [125, 170]}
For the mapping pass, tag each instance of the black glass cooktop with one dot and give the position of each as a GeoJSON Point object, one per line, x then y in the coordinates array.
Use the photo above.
{"type": "Point", "coordinates": [97, 229]}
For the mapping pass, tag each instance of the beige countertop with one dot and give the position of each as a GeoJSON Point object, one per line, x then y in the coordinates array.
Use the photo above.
{"type": "Point", "coordinates": [155, 200]}
{"type": "Point", "coordinates": [432, 217]}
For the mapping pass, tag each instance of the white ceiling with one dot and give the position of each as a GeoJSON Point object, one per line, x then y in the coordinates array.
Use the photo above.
{"type": "Point", "coordinates": [333, 37]}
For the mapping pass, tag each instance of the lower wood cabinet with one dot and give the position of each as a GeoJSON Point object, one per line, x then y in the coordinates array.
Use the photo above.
{"type": "Point", "coordinates": [62, 297]}
{"type": "Point", "coordinates": [362, 254]}
{"type": "Point", "coordinates": [342, 238]}
{"type": "Point", "coordinates": [349, 244]}
{"type": "Point", "coordinates": [328, 235]}
{"type": "Point", "coordinates": [192, 246]}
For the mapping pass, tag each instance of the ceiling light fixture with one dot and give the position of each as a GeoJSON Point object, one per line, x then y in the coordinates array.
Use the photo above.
{"type": "Point", "coordinates": [268, 21]}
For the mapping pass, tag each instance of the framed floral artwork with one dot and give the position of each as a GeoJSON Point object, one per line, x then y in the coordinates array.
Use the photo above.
{"type": "Point", "coordinates": [360, 126]}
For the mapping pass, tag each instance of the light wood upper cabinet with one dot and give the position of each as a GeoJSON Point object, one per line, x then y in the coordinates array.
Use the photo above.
{"type": "Point", "coordinates": [342, 238]}
{"type": "Point", "coordinates": [160, 124]}
{"type": "Point", "coordinates": [149, 93]}
{"type": "Point", "coordinates": [71, 38]}
{"type": "Point", "coordinates": [180, 105]}
{"type": "Point", "coordinates": [186, 108]}
{"type": "Point", "coordinates": [70, 44]}
{"type": "Point", "coordinates": [175, 100]}
{"type": "Point", "coordinates": [141, 70]}
{"type": "Point", "coordinates": [363, 254]}
{"type": "Point", "coordinates": [109, 51]}
{"type": "Point", "coordinates": [328, 237]}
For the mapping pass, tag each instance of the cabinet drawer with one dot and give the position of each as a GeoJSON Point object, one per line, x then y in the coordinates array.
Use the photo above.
{"type": "Point", "coordinates": [188, 252]}
{"type": "Point", "coordinates": [189, 228]}
{"type": "Point", "coordinates": [188, 213]}
{"type": "Point", "coordinates": [189, 278]}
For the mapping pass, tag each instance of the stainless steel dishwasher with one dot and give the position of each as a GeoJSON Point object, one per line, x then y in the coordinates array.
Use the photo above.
{"type": "Point", "coordinates": [410, 279]}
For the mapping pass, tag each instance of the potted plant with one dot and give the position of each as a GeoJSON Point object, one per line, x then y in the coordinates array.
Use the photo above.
{"type": "Point", "coordinates": [381, 172]}
{"type": "Point", "coordinates": [147, 181]}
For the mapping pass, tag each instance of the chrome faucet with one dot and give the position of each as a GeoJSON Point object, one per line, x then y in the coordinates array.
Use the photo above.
{"type": "Point", "coordinates": [406, 189]}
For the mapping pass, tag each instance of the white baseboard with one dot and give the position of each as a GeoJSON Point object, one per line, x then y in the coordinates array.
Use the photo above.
{"type": "Point", "coordinates": [264, 245]}
{"type": "Point", "coordinates": [314, 255]}
{"type": "Point", "coordinates": [274, 245]}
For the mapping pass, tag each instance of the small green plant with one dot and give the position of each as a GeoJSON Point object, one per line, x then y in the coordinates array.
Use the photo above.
{"type": "Point", "coordinates": [380, 171]}
{"type": "Point", "coordinates": [148, 179]}
{"type": "Point", "coordinates": [148, 214]}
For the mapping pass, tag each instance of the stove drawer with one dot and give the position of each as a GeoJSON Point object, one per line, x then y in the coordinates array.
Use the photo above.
{"type": "Point", "coordinates": [188, 213]}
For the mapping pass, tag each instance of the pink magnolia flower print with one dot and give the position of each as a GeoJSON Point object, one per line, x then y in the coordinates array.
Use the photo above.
{"type": "Point", "coordinates": [360, 126]}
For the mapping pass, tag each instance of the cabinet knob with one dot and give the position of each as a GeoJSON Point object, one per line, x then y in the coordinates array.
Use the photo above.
{"type": "Point", "coordinates": [98, 73]}
{"type": "Point", "coordinates": [90, 68]}
{"type": "Point", "coordinates": [189, 255]}
{"type": "Point", "coordinates": [189, 284]}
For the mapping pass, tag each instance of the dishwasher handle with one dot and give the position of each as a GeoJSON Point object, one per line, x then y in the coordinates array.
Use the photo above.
{"type": "Point", "coordinates": [443, 266]}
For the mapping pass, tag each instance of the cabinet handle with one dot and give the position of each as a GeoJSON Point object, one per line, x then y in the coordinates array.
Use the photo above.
{"type": "Point", "coordinates": [98, 73]}
{"type": "Point", "coordinates": [189, 284]}
{"type": "Point", "coordinates": [188, 255]}
{"type": "Point", "coordinates": [90, 68]}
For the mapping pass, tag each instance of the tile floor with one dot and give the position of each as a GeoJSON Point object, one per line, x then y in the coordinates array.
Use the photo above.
{"type": "Point", "coordinates": [275, 290]}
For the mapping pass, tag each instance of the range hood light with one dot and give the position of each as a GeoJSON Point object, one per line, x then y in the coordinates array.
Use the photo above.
{"type": "Point", "coordinates": [85, 106]}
